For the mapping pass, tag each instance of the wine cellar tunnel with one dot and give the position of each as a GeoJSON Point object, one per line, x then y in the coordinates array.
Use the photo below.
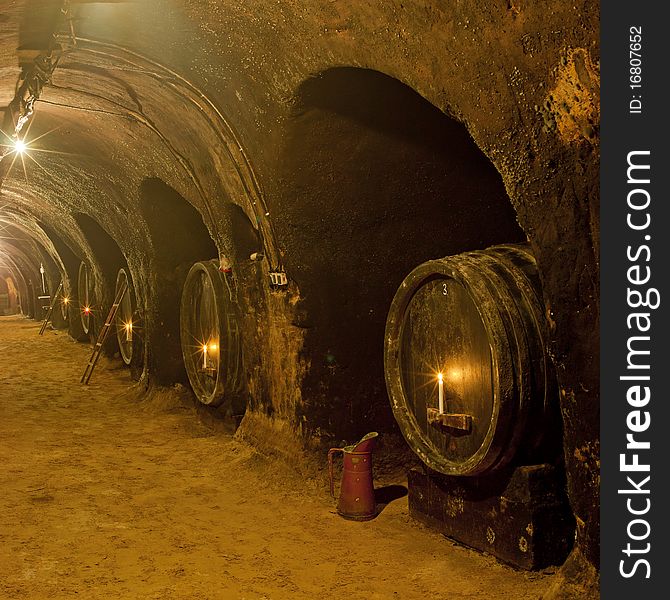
{"type": "Point", "coordinates": [327, 222]}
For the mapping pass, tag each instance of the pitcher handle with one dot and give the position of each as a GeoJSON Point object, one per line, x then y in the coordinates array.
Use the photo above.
{"type": "Point", "coordinates": [331, 453]}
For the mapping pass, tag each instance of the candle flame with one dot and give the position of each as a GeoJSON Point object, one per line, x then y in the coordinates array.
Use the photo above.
{"type": "Point", "coordinates": [439, 376]}
{"type": "Point", "coordinates": [66, 300]}
{"type": "Point", "coordinates": [87, 309]}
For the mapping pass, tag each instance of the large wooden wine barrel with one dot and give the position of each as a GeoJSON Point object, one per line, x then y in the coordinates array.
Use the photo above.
{"type": "Point", "coordinates": [474, 321]}
{"type": "Point", "coordinates": [210, 334]}
{"type": "Point", "coordinates": [86, 297]}
{"type": "Point", "coordinates": [126, 328]}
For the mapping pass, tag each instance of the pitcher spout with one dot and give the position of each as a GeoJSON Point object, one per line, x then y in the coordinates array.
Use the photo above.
{"type": "Point", "coordinates": [366, 444]}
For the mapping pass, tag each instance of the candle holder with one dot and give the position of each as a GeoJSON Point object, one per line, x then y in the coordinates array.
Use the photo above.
{"type": "Point", "coordinates": [459, 421]}
{"type": "Point", "coordinates": [209, 370]}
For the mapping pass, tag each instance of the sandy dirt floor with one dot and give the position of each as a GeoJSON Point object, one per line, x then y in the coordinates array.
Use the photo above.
{"type": "Point", "coordinates": [107, 495]}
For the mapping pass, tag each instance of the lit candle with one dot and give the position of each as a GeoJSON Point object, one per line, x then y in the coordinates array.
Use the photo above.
{"type": "Point", "coordinates": [129, 332]}
{"type": "Point", "coordinates": [440, 392]}
{"type": "Point", "coordinates": [204, 356]}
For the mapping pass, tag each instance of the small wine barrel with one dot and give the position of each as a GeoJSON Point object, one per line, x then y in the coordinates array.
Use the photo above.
{"type": "Point", "coordinates": [469, 328]}
{"type": "Point", "coordinates": [86, 297]}
{"type": "Point", "coordinates": [125, 327]}
{"type": "Point", "coordinates": [210, 334]}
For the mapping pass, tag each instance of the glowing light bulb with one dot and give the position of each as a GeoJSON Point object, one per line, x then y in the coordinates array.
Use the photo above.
{"type": "Point", "coordinates": [19, 146]}
{"type": "Point", "coordinates": [87, 310]}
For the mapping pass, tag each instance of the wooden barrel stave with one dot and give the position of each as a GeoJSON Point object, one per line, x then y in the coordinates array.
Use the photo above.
{"type": "Point", "coordinates": [522, 367]}
{"type": "Point", "coordinates": [502, 322]}
{"type": "Point", "coordinates": [522, 271]}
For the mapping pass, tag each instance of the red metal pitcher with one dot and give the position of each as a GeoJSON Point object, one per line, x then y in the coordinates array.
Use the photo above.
{"type": "Point", "coordinates": [357, 492]}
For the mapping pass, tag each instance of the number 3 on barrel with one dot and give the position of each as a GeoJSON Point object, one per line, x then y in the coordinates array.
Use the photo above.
{"type": "Point", "coordinates": [444, 289]}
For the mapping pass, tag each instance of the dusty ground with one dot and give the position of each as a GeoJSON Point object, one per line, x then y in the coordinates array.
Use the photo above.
{"type": "Point", "coordinates": [107, 496]}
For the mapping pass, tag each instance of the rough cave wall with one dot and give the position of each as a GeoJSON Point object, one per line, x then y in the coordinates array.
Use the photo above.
{"type": "Point", "coordinates": [522, 78]}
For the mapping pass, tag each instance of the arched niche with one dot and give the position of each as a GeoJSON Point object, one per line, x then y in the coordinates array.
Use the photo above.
{"type": "Point", "coordinates": [179, 238]}
{"type": "Point", "coordinates": [373, 180]}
